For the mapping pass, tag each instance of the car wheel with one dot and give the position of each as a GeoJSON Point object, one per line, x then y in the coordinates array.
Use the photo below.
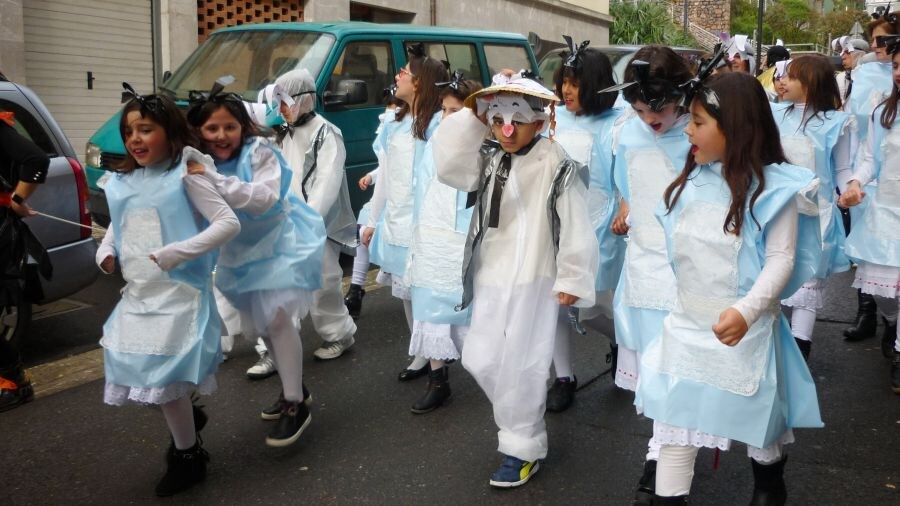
{"type": "Point", "coordinates": [14, 322]}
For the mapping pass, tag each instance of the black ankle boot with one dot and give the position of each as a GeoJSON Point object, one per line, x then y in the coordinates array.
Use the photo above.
{"type": "Point", "coordinates": [612, 358]}
{"type": "Point", "coordinates": [768, 484]}
{"type": "Point", "coordinates": [805, 348]}
{"type": "Point", "coordinates": [888, 338]}
{"type": "Point", "coordinates": [866, 322]}
{"type": "Point", "coordinates": [185, 468]}
{"type": "Point", "coordinates": [353, 300]}
{"type": "Point", "coordinates": [437, 393]}
{"type": "Point", "coordinates": [644, 494]}
{"type": "Point", "coordinates": [670, 501]}
{"type": "Point", "coordinates": [895, 373]}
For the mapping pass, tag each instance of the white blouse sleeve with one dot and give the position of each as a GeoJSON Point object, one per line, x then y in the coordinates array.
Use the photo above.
{"type": "Point", "coordinates": [107, 248]}
{"type": "Point", "coordinates": [260, 194]}
{"type": "Point", "coordinates": [843, 154]}
{"type": "Point", "coordinates": [781, 247]}
{"type": "Point", "coordinates": [379, 196]}
{"type": "Point", "coordinates": [330, 168]}
{"type": "Point", "coordinates": [456, 145]}
{"type": "Point", "coordinates": [864, 171]}
{"type": "Point", "coordinates": [578, 257]}
{"type": "Point", "coordinates": [374, 175]}
{"type": "Point", "coordinates": [223, 225]}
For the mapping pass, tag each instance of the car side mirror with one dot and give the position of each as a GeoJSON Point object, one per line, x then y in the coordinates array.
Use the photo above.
{"type": "Point", "coordinates": [348, 92]}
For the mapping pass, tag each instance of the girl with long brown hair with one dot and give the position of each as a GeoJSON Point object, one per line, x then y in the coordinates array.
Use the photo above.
{"type": "Point", "coordinates": [819, 137]}
{"type": "Point", "coordinates": [724, 368]}
{"type": "Point", "coordinates": [403, 142]}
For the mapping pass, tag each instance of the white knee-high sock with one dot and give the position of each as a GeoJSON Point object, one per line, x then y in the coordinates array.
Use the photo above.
{"type": "Point", "coordinates": [562, 348]}
{"type": "Point", "coordinates": [407, 311]}
{"type": "Point", "coordinates": [180, 419]}
{"type": "Point", "coordinates": [360, 263]}
{"type": "Point", "coordinates": [675, 470]}
{"type": "Point", "coordinates": [802, 322]}
{"type": "Point", "coordinates": [284, 345]}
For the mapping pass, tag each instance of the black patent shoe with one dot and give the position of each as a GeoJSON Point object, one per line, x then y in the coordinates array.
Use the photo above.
{"type": "Point", "coordinates": [293, 421]}
{"type": "Point", "coordinates": [185, 468]}
{"type": "Point", "coordinates": [437, 394]}
{"type": "Point", "coordinates": [646, 489]}
{"type": "Point", "coordinates": [273, 412]}
{"type": "Point", "coordinates": [895, 373]}
{"type": "Point", "coordinates": [866, 321]}
{"type": "Point", "coordinates": [677, 500]}
{"type": "Point", "coordinates": [805, 348]}
{"type": "Point", "coordinates": [411, 374]}
{"type": "Point", "coordinates": [888, 338]}
{"type": "Point", "coordinates": [353, 300]}
{"type": "Point", "coordinates": [768, 484]}
{"type": "Point", "coordinates": [561, 395]}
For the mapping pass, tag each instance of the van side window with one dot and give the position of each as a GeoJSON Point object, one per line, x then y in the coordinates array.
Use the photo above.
{"type": "Point", "coordinates": [28, 126]}
{"type": "Point", "coordinates": [370, 62]}
{"type": "Point", "coordinates": [458, 56]}
{"type": "Point", "coordinates": [511, 57]}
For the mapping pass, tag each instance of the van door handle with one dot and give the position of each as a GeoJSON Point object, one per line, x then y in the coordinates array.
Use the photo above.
{"type": "Point", "coordinates": [90, 80]}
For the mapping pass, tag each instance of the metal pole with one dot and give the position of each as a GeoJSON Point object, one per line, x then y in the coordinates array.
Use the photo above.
{"type": "Point", "coordinates": [759, 31]}
{"type": "Point", "coordinates": [685, 17]}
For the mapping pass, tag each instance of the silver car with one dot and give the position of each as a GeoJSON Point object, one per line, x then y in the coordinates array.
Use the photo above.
{"type": "Point", "coordinates": [64, 195]}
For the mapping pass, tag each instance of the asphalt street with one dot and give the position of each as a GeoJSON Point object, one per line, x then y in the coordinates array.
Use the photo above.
{"type": "Point", "coordinates": [365, 447]}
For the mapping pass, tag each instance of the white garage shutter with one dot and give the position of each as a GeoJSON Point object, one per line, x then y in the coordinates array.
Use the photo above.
{"type": "Point", "coordinates": [66, 39]}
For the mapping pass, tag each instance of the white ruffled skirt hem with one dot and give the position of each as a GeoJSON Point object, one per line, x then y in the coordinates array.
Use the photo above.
{"type": "Point", "coordinates": [882, 280]}
{"type": "Point", "coordinates": [809, 296]}
{"type": "Point", "coordinates": [119, 395]}
{"type": "Point", "coordinates": [437, 341]}
{"type": "Point", "coordinates": [671, 435]}
{"type": "Point", "coordinates": [399, 289]}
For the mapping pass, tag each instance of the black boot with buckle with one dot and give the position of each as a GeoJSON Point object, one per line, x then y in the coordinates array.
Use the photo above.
{"type": "Point", "coordinates": [353, 300]}
{"type": "Point", "coordinates": [866, 320]}
{"type": "Point", "coordinates": [437, 393]}
{"type": "Point", "coordinates": [645, 492]}
{"type": "Point", "coordinates": [888, 338]}
{"type": "Point", "coordinates": [185, 468]}
{"type": "Point", "coordinates": [768, 484]}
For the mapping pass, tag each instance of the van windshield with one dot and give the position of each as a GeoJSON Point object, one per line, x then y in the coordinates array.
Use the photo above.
{"type": "Point", "coordinates": [254, 57]}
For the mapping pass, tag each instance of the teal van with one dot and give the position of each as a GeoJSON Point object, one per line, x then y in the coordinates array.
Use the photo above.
{"type": "Point", "coordinates": [352, 63]}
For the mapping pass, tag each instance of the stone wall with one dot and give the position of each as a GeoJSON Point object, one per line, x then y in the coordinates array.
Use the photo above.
{"type": "Point", "coordinates": [712, 15]}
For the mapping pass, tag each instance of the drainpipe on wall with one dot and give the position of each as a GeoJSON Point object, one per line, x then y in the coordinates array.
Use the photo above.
{"type": "Point", "coordinates": [433, 12]}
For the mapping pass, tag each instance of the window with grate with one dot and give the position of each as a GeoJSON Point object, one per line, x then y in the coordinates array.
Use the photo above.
{"type": "Point", "coordinates": [215, 14]}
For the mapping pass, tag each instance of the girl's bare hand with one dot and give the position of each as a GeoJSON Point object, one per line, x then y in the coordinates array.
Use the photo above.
{"type": "Point", "coordinates": [619, 224]}
{"type": "Point", "coordinates": [566, 299]}
{"type": "Point", "coordinates": [852, 196]}
{"type": "Point", "coordinates": [108, 265]}
{"type": "Point", "coordinates": [195, 168]}
{"type": "Point", "coordinates": [364, 182]}
{"type": "Point", "coordinates": [367, 234]}
{"type": "Point", "coordinates": [731, 327]}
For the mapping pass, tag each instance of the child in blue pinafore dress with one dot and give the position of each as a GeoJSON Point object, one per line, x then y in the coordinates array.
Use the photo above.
{"type": "Point", "coordinates": [269, 271]}
{"type": "Point", "coordinates": [874, 242]}
{"type": "Point", "coordinates": [724, 367]}
{"type": "Point", "coordinates": [584, 128]}
{"type": "Point", "coordinates": [161, 342]}
{"type": "Point", "coordinates": [402, 142]}
{"type": "Point", "coordinates": [815, 135]}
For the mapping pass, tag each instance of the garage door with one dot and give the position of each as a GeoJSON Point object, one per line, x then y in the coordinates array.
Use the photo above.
{"type": "Point", "coordinates": [67, 39]}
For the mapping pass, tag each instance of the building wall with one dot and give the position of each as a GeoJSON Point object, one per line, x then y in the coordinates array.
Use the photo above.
{"type": "Point", "coordinates": [12, 40]}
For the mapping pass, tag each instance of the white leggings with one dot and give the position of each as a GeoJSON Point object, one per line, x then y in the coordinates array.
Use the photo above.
{"type": "Point", "coordinates": [360, 262]}
{"type": "Point", "coordinates": [675, 468]}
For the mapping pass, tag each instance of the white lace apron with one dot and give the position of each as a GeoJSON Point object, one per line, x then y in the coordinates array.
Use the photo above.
{"type": "Point", "coordinates": [436, 256]}
{"type": "Point", "coordinates": [156, 314]}
{"type": "Point", "coordinates": [799, 150]}
{"type": "Point", "coordinates": [706, 260]}
{"type": "Point", "coordinates": [579, 146]}
{"type": "Point", "coordinates": [882, 218]}
{"type": "Point", "coordinates": [650, 282]}
{"type": "Point", "coordinates": [398, 212]}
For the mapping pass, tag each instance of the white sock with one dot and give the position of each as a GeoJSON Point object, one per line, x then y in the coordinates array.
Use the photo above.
{"type": "Point", "coordinates": [675, 470]}
{"type": "Point", "coordinates": [407, 310]}
{"type": "Point", "coordinates": [417, 363]}
{"type": "Point", "coordinates": [562, 348]}
{"type": "Point", "coordinates": [180, 419]}
{"type": "Point", "coordinates": [287, 350]}
{"type": "Point", "coordinates": [360, 264]}
{"type": "Point", "coordinates": [802, 322]}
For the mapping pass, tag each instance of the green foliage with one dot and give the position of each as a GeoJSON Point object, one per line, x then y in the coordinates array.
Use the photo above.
{"type": "Point", "coordinates": [645, 22]}
{"type": "Point", "coordinates": [795, 22]}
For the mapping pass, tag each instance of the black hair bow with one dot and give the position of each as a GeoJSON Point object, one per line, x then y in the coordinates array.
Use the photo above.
{"type": "Point", "coordinates": [573, 57]}
{"type": "Point", "coordinates": [886, 14]}
{"type": "Point", "coordinates": [529, 74]}
{"type": "Point", "coordinates": [416, 50]}
{"type": "Point", "coordinates": [891, 43]}
{"type": "Point", "coordinates": [198, 97]}
{"type": "Point", "coordinates": [656, 93]}
{"type": "Point", "coordinates": [147, 102]}
{"type": "Point", "coordinates": [695, 85]}
{"type": "Point", "coordinates": [456, 81]}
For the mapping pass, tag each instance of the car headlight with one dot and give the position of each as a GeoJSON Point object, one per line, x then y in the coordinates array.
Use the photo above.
{"type": "Point", "coordinates": [92, 155]}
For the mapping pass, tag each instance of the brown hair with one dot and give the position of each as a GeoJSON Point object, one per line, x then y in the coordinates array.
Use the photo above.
{"type": "Point", "coordinates": [816, 74]}
{"type": "Point", "coordinates": [594, 74]}
{"type": "Point", "coordinates": [889, 110]}
{"type": "Point", "coordinates": [426, 72]}
{"type": "Point", "coordinates": [199, 114]}
{"type": "Point", "coordinates": [891, 28]}
{"type": "Point", "coordinates": [161, 110]}
{"type": "Point", "coordinates": [752, 141]}
{"type": "Point", "coordinates": [466, 88]}
{"type": "Point", "coordinates": [665, 65]}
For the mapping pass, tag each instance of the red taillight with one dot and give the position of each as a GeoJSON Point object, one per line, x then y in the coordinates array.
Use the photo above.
{"type": "Point", "coordinates": [83, 196]}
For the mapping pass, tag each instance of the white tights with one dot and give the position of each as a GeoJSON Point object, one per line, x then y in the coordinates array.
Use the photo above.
{"type": "Point", "coordinates": [360, 263]}
{"type": "Point", "coordinates": [675, 467]}
{"type": "Point", "coordinates": [802, 322]}
{"type": "Point", "coordinates": [283, 342]}
{"type": "Point", "coordinates": [180, 419]}
{"type": "Point", "coordinates": [418, 362]}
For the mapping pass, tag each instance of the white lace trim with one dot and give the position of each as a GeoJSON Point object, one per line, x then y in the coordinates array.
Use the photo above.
{"type": "Point", "coordinates": [809, 296]}
{"type": "Point", "coordinates": [672, 435]}
{"type": "Point", "coordinates": [118, 395]}
{"type": "Point", "coordinates": [435, 259]}
{"type": "Point", "coordinates": [399, 289]}
{"type": "Point", "coordinates": [437, 341]}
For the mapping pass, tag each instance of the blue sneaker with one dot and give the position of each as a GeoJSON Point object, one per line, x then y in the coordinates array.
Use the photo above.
{"type": "Point", "coordinates": [514, 472]}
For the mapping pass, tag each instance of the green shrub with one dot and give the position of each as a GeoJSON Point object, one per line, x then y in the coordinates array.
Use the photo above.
{"type": "Point", "coordinates": [645, 22]}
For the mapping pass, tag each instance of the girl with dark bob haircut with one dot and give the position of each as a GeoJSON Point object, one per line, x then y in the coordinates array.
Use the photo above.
{"type": "Point", "coordinates": [594, 74]}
